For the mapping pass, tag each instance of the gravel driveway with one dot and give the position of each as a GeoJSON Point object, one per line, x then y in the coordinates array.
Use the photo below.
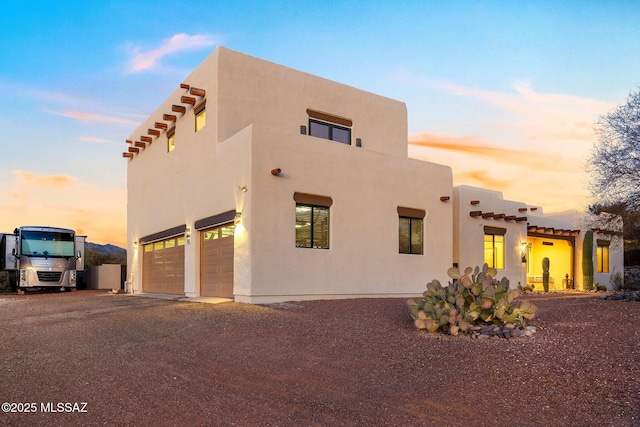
{"type": "Point", "coordinates": [90, 358]}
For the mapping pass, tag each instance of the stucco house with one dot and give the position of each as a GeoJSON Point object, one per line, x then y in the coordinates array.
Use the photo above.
{"type": "Point", "coordinates": [515, 237]}
{"type": "Point", "coordinates": [259, 183]}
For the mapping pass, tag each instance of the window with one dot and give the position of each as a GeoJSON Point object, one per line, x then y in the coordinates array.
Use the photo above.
{"type": "Point", "coordinates": [329, 131]}
{"type": "Point", "coordinates": [201, 116]}
{"type": "Point", "coordinates": [411, 231]}
{"type": "Point", "coordinates": [602, 256]}
{"type": "Point", "coordinates": [328, 126]}
{"type": "Point", "coordinates": [312, 221]}
{"type": "Point", "coordinates": [494, 250]}
{"type": "Point", "coordinates": [171, 139]}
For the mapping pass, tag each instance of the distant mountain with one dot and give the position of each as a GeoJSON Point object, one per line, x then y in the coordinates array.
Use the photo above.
{"type": "Point", "coordinates": [107, 249]}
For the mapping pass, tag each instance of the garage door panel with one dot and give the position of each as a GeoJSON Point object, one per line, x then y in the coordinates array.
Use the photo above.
{"type": "Point", "coordinates": [216, 269]}
{"type": "Point", "coordinates": [163, 266]}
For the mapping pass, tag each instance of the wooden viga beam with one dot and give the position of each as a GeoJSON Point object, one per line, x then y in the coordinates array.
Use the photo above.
{"type": "Point", "coordinates": [197, 92]}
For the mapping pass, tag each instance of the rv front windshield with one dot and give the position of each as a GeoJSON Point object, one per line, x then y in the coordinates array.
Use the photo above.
{"type": "Point", "coordinates": [47, 244]}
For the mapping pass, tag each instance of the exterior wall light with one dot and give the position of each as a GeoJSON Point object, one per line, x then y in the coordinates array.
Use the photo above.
{"type": "Point", "coordinates": [238, 218]}
{"type": "Point", "coordinates": [242, 188]}
{"type": "Point", "coordinates": [523, 251]}
{"type": "Point", "coordinates": [187, 234]}
{"type": "Point", "coordinates": [135, 245]}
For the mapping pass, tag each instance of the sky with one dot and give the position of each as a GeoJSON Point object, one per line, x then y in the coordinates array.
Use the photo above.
{"type": "Point", "coordinates": [506, 93]}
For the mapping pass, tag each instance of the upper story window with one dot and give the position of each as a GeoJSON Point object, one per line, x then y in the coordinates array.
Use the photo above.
{"type": "Point", "coordinates": [171, 139]}
{"type": "Point", "coordinates": [411, 231]}
{"type": "Point", "coordinates": [328, 126]}
{"type": "Point", "coordinates": [200, 113]}
{"type": "Point", "coordinates": [494, 246]}
{"type": "Point", "coordinates": [602, 256]}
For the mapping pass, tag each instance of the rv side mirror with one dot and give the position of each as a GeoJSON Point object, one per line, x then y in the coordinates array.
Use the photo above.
{"type": "Point", "coordinates": [79, 255]}
{"type": "Point", "coordinates": [13, 252]}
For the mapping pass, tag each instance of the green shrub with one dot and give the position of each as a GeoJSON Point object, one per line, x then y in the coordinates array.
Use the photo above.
{"type": "Point", "coordinates": [600, 287]}
{"type": "Point", "coordinates": [471, 298]}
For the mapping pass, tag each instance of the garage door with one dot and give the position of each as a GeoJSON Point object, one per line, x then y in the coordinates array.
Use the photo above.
{"type": "Point", "coordinates": [216, 268]}
{"type": "Point", "coordinates": [163, 266]}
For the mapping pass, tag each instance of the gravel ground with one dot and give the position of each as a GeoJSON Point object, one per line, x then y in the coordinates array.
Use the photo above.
{"type": "Point", "coordinates": [141, 361]}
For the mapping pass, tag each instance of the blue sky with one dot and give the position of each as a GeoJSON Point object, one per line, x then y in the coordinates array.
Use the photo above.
{"type": "Point", "coordinates": [506, 93]}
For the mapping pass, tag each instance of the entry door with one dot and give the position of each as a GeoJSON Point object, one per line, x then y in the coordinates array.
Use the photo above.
{"type": "Point", "coordinates": [216, 261]}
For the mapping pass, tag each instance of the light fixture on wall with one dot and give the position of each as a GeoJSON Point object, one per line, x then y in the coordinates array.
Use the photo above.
{"type": "Point", "coordinates": [135, 245]}
{"type": "Point", "coordinates": [242, 188]}
{"type": "Point", "coordinates": [523, 251]}
{"type": "Point", "coordinates": [238, 218]}
{"type": "Point", "coordinates": [187, 234]}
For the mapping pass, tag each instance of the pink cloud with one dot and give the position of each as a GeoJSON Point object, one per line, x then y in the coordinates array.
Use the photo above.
{"type": "Point", "coordinates": [179, 42]}
{"type": "Point", "coordinates": [86, 116]}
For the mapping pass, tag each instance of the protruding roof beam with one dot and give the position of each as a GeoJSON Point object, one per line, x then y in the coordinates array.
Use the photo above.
{"type": "Point", "coordinates": [146, 139]}
{"type": "Point", "coordinates": [184, 86]}
{"type": "Point", "coordinates": [128, 141]}
{"type": "Point", "coordinates": [475, 202]}
{"type": "Point", "coordinates": [188, 100]}
{"type": "Point", "coordinates": [154, 132]}
{"type": "Point", "coordinates": [140, 144]}
{"type": "Point", "coordinates": [197, 92]}
{"type": "Point", "coordinates": [487, 215]}
{"type": "Point", "coordinates": [498, 216]}
{"type": "Point", "coordinates": [169, 118]}
{"type": "Point", "coordinates": [178, 109]}
{"type": "Point", "coordinates": [134, 150]}
{"type": "Point", "coordinates": [127, 155]}
{"type": "Point", "coordinates": [510, 218]}
{"type": "Point", "coordinates": [475, 213]}
{"type": "Point", "coordinates": [159, 125]}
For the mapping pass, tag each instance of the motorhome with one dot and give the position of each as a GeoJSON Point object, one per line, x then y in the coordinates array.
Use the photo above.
{"type": "Point", "coordinates": [42, 257]}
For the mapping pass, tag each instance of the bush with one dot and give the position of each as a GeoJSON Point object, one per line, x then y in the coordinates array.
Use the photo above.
{"type": "Point", "coordinates": [471, 298]}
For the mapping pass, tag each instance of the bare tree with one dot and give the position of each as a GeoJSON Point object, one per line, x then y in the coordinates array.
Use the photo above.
{"type": "Point", "coordinates": [614, 167]}
{"type": "Point", "coordinates": [615, 159]}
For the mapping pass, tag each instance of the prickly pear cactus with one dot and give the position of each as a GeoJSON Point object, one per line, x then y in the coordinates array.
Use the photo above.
{"type": "Point", "coordinates": [471, 298]}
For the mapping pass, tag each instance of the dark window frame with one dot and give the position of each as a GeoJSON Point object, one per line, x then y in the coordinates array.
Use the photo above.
{"type": "Point", "coordinates": [411, 243]}
{"type": "Point", "coordinates": [313, 235]}
{"type": "Point", "coordinates": [331, 127]}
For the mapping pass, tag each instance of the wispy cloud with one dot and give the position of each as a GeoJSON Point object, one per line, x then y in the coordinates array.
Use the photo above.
{"type": "Point", "coordinates": [99, 140]}
{"type": "Point", "coordinates": [537, 116]}
{"type": "Point", "coordinates": [85, 116]}
{"type": "Point", "coordinates": [48, 181]}
{"type": "Point", "coordinates": [475, 147]}
{"type": "Point", "coordinates": [148, 59]}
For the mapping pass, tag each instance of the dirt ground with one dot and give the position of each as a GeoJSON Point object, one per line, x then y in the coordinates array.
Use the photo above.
{"type": "Point", "coordinates": [89, 358]}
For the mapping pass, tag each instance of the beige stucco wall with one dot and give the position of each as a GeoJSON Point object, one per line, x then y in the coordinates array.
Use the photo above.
{"type": "Point", "coordinates": [366, 188]}
{"type": "Point", "coordinates": [469, 233]}
{"type": "Point", "coordinates": [254, 113]}
{"type": "Point", "coordinates": [105, 276]}
{"type": "Point", "coordinates": [468, 236]}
